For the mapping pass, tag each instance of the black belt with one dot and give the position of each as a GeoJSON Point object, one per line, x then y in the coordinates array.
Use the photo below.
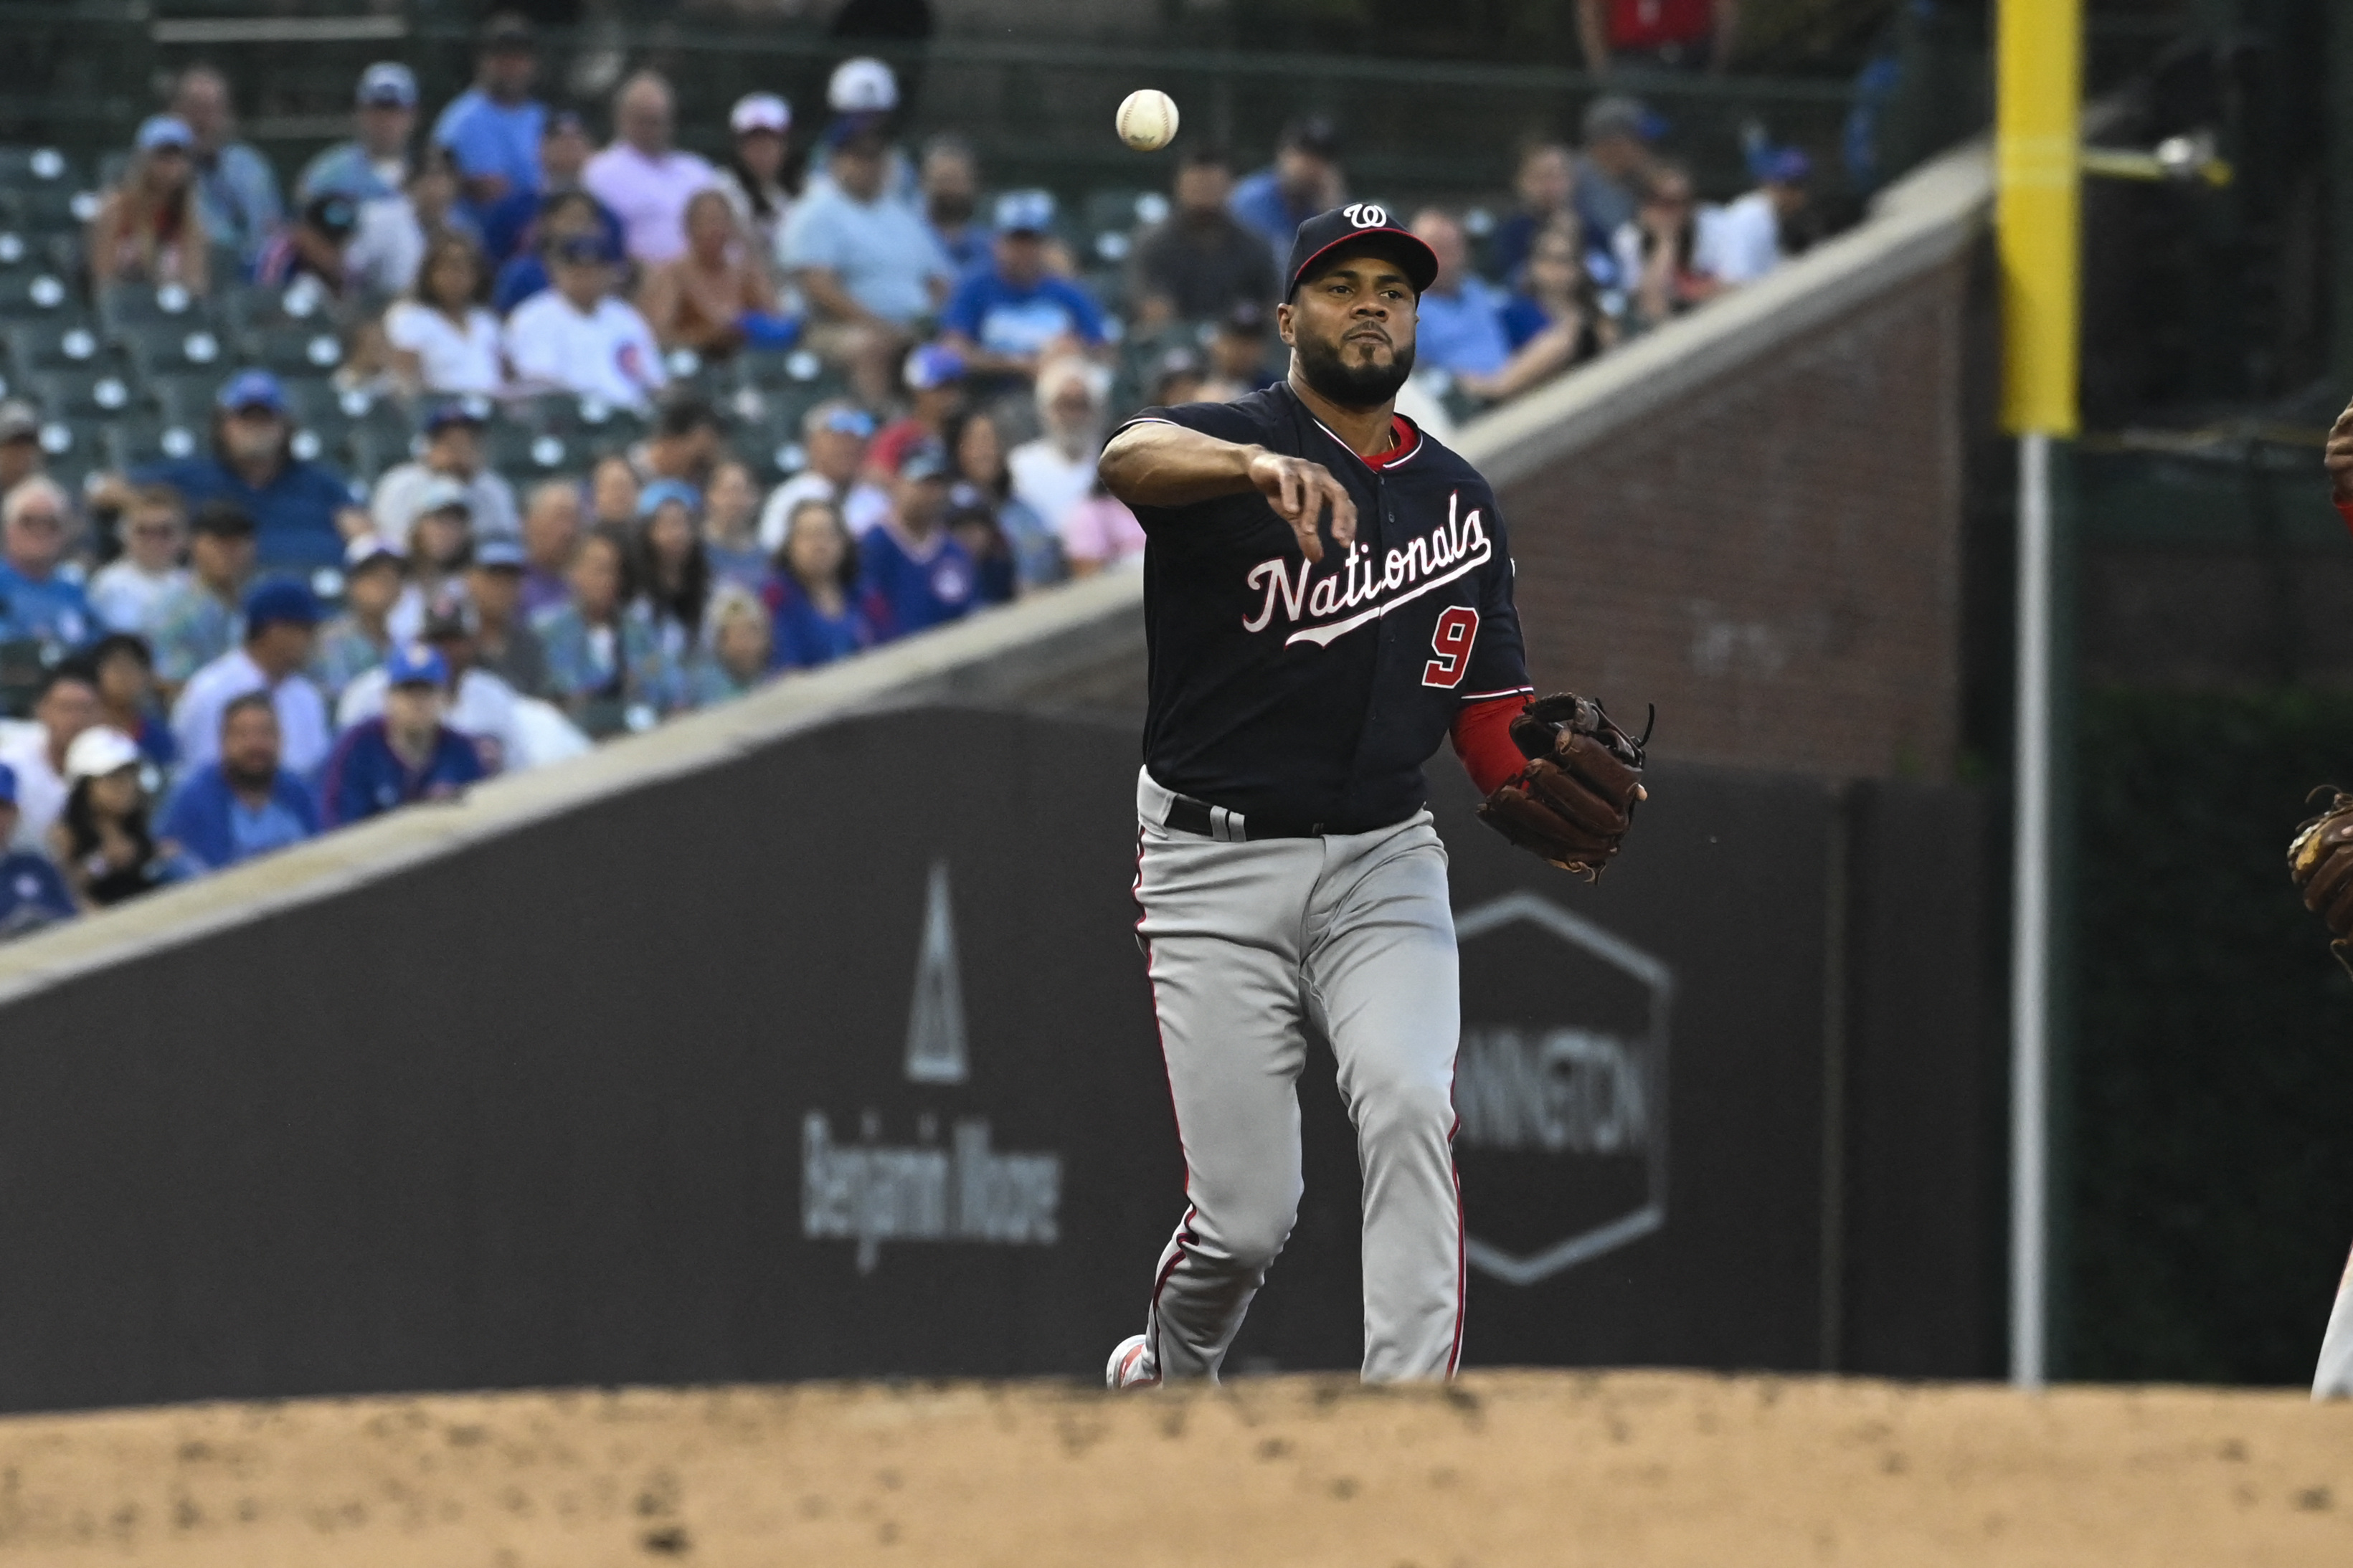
{"type": "Point", "coordinates": [1186, 814]}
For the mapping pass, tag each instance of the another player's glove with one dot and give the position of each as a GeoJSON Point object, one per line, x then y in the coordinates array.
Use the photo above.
{"type": "Point", "coordinates": [1572, 804]}
{"type": "Point", "coordinates": [2320, 859]}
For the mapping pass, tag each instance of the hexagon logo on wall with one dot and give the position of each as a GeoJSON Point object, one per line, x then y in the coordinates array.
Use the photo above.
{"type": "Point", "coordinates": [1561, 1085]}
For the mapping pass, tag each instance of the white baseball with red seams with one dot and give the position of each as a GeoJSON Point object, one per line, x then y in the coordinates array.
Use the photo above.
{"type": "Point", "coordinates": [1147, 119]}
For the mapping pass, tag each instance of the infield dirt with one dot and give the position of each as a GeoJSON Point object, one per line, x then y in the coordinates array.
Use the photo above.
{"type": "Point", "coordinates": [1653, 1469]}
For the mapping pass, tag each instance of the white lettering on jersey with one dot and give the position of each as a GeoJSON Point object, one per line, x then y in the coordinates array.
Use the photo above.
{"type": "Point", "coordinates": [1359, 593]}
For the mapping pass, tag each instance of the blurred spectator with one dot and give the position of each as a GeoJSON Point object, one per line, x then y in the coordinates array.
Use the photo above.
{"type": "Point", "coordinates": [154, 531]}
{"type": "Point", "coordinates": [645, 180]}
{"type": "Point", "coordinates": [406, 755]}
{"type": "Point", "coordinates": [730, 527]}
{"type": "Point", "coordinates": [713, 293]}
{"type": "Point", "coordinates": [579, 337]}
{"type": "Point", "coordinates": [1200, 261]}
{"type": "Point", "coordinates": [515, 226]}
{"type": "Point", "coordinates": [1237, 354]}
{"type": "Point", "coordinates": [1613, 165]}
{"type": "Point", "coordinates": [504, 644]}
{"type": "Point", "coordinates": [834, 436]}
{"type": "Point", "coordinates": [440, 541]}
{"type": "Point", "coordinates": [32, 894]}
{"type": "Point", "coordinates": [444, 341]}
{"type": "Point", "coordinates": [689, 437]}
{"type": "Point", "coordinates": [1557, 301]}
{"type": "Point", "coordinates": [551, 532]}
{"type": "Point", "coordinates": [1660, 251]}
{"type": "Point", "coordinates": [41, 597]}
{"type": "Point", "coordinates": [237, 193]}
{"type": "Point", "coordinates": [1054, 472]}
{"type": "Point", "coordinates": [198, 621]}
{"type": "Point", "coordinates": [933, 375]}
{"type": "Point", "coordinates": [1461, 315]}
{"type": "Point", "coordinates": [976, 450]}
{"type": "Point", "coordinates": [453, 451]}
{"type": "Point", "coordinates": [1175, 377]}
{"type": "Point", "coordinates": [125, 668]}
{"type": "Point", "coordinates": [477, 703]}
{"type": "Point", "coordinates": [1657, 35]}
{"type": "Point", "coordinates": [613, 493]}
{"type": "Point", "coordinates": [20, 444]}
{"type": "Point", "coordinates": [375, 578]}
{"type": "Point", "coordinates": [950, 185]}
{"type": "Point", "coordinates": [915, 572]}
{"type": "Point", "coordinates": [738, 644]}
{"type": "Point", "coordinates": [374, 164]}
{"type": "Point", "coordinates": [388, 248]}
{"type": "Point", "coordinates": [996, 578]}
{"type": "Point", "coordinates": [1303, 180]}
{"type": "Point", "coordinates": [754, 178]}
{"type": "Point", "coordinates": [1009, 317]}
{"type": "Point", "coordinates": [492, 130]}
{"type": "Point", "coordinates": [301, 512]}
{"type": "Point", "coordinates": [816, 596]}
{"type": "Point", "coordinates": [1545, 187]}
{"type": "Point", "coordinates": [65, 705]}
{"type": "Point", "coordinates": [672, 571]}
{"type": "Point", "coordinates": [1741, 242]}
{"type": "Point", "coordinates": [863, 94]}
{"type": "Point", "coordinates": [316, 246]}
{"type": "Point", "coordinates": [565, 214]}
{"type": "Point", "coordinates": [604, 666]}
{"type": "Point", "coordinates": [1099, 531]}
{"type": "Point", "coordinates": [150, 227]}
{"type": "Point", "coordinates": [861, 259]}
{"type": "Point", "coordinates": [101, 840]}
{"type": "Point", "coordinates": [245, 805]}
{"type": "Point", "coordinates": [282, 622]}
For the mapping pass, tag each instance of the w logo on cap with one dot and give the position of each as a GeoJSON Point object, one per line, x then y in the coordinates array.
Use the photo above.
{"type": "Point", "coordinates": [1366, 214]}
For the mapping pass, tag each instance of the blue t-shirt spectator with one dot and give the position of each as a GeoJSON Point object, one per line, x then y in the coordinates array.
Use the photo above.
{"type": "Point", "coordinates": [51, 610]}
{"type": "Point", "coordinates": [881, 250]}
{"type": "Point", "coordinates": [365, 777]}
{"type": "Point", "coordinates": [213, 823]}
{"type": "Point", "coordinates": [1259, 205]}
{"type": "Point", "coordinates": [32, 894]}
{"type": "Point", "coordinates": [1021, 319]}
{"type": "Point", "coordinates": [294, 513]}
{"type": "Point", "coordinates": [1522, 319]}
{"type": "Point", "coordinates": [345, 169]}
{"type": "Point", "coordinates": [1463, 331]}
{"type": "Point", "coordinates": [486, 137]}
{"type": "Point", "coordinates": [806, 637]}
{"type": "Point", "coordinates": [916, 587]}
{"type": "Point", "coordinates": [236, 195]}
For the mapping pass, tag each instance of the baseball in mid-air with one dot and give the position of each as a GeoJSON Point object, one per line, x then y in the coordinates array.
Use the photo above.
{"type": "Point", "coordinates": [1147, 119]}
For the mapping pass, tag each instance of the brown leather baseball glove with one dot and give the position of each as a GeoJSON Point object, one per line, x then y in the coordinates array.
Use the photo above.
{"type": "Point", "coordinates": [1572, 804]}
{"type": "Point", "coordinates": [2320, 859]}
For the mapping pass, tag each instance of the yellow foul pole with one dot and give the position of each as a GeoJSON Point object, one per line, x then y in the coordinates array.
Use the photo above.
{"type": "Point", "coordinates": [2039, 218]}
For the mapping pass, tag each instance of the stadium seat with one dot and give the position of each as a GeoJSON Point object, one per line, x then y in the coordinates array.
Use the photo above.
{"type": "Point", "coordinates": [30, 294]}
{"type": "Point", "coordinates": [39, 345]}
{"type": "Point", "coordinates": [521, 450]}
{"type": "Point", "coordinates": [295, 348]}
{"type": "Point", "coordinates": [22, 662]}
{"type": "Point", "coordinates": [173, 348]}
{"type": "Point", "coordinates": [23, 168]}
{"type": "Point", "coordinates": [128, 308]}
{"type": "Point", "coordinates": [55, 209]}
{"type": "Point", "coordinates": [185, 398]}
{"type": "Point", "coordinates": [71, 449]}
{"type": "Point", "coordinates": [92, 396]}
{"type": "Point", "coordinates": [148, 439]}
{"type": "Point", "coordinates": [768, 368]}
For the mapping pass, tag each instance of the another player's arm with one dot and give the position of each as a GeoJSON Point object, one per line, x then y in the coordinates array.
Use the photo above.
{"type": "Point", "coordinates": [1158, 464]}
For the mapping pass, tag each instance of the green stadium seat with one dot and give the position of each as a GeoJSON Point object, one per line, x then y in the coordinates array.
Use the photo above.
{"type": "Point", "coordinates": [26, 167]}
{"type": "Point", "coordinates": [27, 295]}
{"type": "Point", "coordinates": [175, 348]}
{"type": "Point", "coordinates": [84, 397]}
{"type": "Point", "coordinates": [128, 307]}
{"type": "Point", "coordinates": [41, 345]}
{"type": "Point", "coordinates": [295, 348]}
{"type": "Point", "coordinates": [149, 438]}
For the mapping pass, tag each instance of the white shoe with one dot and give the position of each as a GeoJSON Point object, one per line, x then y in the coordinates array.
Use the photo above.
{"type": "Point", "coordinates": [1132, 1366]}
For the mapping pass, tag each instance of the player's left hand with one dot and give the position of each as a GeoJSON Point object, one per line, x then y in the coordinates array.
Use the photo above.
{"type": "Point", "coordinates": [1574, 801]}
{"type": "Point", "coordinates": [2321, 860]}
{"type": "Point", "coordinates": [2339, 457]}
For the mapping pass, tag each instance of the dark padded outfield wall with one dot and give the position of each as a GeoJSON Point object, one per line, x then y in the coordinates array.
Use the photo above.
{"type": "Point", "coordinates": [817, 1063]}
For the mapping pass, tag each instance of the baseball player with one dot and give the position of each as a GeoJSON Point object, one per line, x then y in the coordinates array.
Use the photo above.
{"type": "Point", "coordinates": [2321, 861]}
{"type": "Point", "coordinates": [1327, 594]}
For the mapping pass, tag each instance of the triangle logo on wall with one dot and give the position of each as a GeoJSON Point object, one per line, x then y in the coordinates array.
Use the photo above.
{"type": "Point", "coordinates": [936, 1042]}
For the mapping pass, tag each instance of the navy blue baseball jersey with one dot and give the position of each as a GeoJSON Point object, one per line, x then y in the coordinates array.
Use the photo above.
{"type": "Point", "coordinates": [1308, 696]}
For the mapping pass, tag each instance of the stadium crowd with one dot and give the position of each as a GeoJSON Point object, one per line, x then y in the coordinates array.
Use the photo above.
{"type": "Point", "coordinates": [463, 450]}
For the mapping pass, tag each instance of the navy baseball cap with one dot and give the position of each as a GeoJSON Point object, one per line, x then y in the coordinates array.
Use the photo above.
{"type": "Point", "coordinates": [252, 389]}
{"type": "Point", "coordinates": [416, 664]}
{"type": "Point", "coordinates": [1363, 225]}
{"type": "Point", "coordinates": [279, 600]}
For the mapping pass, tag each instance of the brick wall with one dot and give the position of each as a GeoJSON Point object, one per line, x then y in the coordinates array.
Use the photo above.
{"type": "Point", "coordinates": [1775, 558]}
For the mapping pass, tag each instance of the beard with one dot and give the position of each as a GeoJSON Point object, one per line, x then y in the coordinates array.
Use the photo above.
{"type": "Point", "coordinates": [1367, 386]}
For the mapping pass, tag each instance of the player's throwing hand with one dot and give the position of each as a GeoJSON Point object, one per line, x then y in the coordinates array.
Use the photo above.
{"type": "Point", "coordinates": [1299, 490]}
{"type": "Point", "coordinates": [2339, 459]}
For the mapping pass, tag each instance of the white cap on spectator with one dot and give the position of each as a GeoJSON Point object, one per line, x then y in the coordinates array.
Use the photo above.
{"type": "Point", "coordinates": [863, 86]}
{"type": "Point", "coordinates": [440, 493]}
{"type": "Point", "coordinates": [760, 111]}
{"type": "Point", "coordinates": [389, 83]}
{"type": "Point", "coordinates": [98, 751]}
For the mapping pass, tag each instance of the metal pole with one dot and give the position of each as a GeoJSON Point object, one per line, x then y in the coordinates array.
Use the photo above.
{"type": "Point", "coordinates": [2030, 964]}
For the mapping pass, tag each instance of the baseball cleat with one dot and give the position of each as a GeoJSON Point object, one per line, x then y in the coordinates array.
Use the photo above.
{"type": "Point", "coordinates": [1132, 1366]}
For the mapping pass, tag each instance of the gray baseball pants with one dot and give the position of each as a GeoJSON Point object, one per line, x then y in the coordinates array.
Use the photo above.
{"type": "Point", "coordinates": [1254, 948]}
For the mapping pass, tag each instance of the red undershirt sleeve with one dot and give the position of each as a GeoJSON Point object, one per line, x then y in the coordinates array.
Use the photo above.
{"type": "Point", "coordinates": [1482, 739]}
{"type": "Point", "coordinates": [2345, 511]}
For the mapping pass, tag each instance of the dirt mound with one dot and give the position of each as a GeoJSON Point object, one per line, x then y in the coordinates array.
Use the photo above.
{"type": "Point", "coordinates": [1657, 1470]}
